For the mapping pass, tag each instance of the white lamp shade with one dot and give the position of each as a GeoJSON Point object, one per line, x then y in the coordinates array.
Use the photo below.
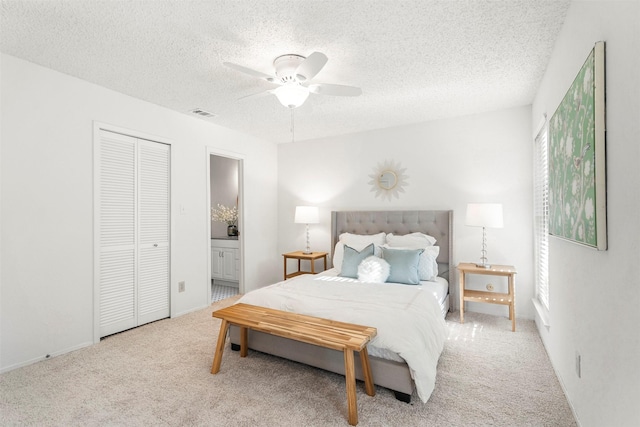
{"type": "Point", "coordinates": [484, 215]}
{"type": "Point", "coordinates": [306, 215]}
{"type": "Point", "coordinates": [292, 94]}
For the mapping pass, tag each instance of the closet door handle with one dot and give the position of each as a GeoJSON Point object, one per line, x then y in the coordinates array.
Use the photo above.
{"type": "Point", "coordinates": [155, 245]}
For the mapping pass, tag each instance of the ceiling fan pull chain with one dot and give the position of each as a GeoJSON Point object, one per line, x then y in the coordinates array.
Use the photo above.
{"type": "Point", "coordinates": [293, 132]}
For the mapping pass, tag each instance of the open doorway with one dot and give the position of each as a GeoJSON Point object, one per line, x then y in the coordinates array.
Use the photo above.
{"type": "Point", "coordinates": [225, 230]}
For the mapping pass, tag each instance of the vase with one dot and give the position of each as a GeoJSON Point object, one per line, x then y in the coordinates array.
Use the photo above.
{"type": "Point", "coordinates": [232, 230]}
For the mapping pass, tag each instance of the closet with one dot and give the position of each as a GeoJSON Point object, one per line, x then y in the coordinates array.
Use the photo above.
{"type": "Point", "coordinates": [132, 184]}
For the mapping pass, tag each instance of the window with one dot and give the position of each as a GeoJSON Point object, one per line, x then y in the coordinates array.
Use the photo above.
{"type": "Point", "coordinates": [541, 216]}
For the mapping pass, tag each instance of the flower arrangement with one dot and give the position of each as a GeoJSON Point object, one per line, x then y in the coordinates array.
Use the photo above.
{"type": "Point", "coordinates": [225, 214]}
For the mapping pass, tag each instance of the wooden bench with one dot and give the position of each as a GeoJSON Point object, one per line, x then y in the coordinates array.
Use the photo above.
{"type": "Point", "coordinates": [345, 337]}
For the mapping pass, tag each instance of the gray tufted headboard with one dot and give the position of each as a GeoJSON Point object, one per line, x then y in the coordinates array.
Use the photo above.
{"type": "Point", "coordinates": [438, 224]}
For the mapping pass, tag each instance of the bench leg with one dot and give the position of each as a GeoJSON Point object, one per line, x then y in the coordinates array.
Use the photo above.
{"type": "Point", "coordinates": [350, 379]}
{"type": "Point", "coordinates": [366, 369]}
{"type": "Point", "coordinates": [217, 358]}
{"type": "Point", "coordinates": [243, 342]}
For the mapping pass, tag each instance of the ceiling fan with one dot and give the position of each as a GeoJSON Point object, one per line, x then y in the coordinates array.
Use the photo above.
{"type": "Point", "coordinates": [293, 74]}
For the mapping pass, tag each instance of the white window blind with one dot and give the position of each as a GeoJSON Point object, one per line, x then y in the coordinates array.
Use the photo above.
{"type": "Point", "coordinates": [541, 216]}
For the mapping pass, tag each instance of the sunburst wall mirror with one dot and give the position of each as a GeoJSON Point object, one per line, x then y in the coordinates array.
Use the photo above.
{"type": "Point", "coordinates": [388, 180]}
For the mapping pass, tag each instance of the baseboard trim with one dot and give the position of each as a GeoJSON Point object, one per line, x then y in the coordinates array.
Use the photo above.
{"type": "Point", "coordinates": [43, 358]}
{"type": "Point", "coordinates": [182, 313]}
{"type": "Point", "coordinates": [562, 386]}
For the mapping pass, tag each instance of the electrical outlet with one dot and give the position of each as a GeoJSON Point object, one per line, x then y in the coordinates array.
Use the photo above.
{"type": "Point", "coordinates": [181, 286]}
{"type": "Point", "coordinates": [490, 287]}
{"type": "Point", "coordinates": [578, 365]}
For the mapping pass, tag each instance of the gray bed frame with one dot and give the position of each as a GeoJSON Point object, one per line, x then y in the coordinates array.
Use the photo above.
{"type": "Point", "coordinates": [389, 374]}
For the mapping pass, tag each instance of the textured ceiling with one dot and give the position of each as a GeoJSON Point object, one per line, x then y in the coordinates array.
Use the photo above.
{"type": "Point", "coordinates": [414, 60]}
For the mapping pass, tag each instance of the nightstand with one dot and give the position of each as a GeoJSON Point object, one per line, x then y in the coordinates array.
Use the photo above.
{"type": "Point", "coordinates": [300, 255]}
{"type": "Point", "coordinates": [489, 297]}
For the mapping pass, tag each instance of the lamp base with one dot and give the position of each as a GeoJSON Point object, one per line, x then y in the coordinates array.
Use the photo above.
{"type": "Point", "coordinates": [307, 250]}
{"type": "Point", "coordinates": [487, 266]}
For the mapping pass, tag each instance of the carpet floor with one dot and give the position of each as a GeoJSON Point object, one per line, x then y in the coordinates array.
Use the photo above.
{"type": "Point", "coordinates": [159, 375]}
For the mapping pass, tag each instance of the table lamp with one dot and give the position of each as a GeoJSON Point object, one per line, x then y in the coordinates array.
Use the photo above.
{"type": "Point", "coordinates": [306, 215]}
{"type": "Point", "coordinates": [485, 215]}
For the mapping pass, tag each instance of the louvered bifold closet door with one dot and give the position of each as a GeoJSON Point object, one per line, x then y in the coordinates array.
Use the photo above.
{"type": "Point", "coordinates": [117, 231]}
{"type": "Point", "coordinates": [153, 231]}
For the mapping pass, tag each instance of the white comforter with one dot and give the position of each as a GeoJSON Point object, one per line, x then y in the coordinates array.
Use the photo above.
{"type": "Point", "coordinates": [408, 319]}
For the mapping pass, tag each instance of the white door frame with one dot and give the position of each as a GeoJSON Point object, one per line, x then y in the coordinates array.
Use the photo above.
{"type": "Point", "coordinates": [97, 127]}
{"type": "Point", "coordinates": [240, 158]}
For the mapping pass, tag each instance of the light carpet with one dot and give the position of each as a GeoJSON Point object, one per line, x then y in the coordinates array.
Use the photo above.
{"type": "Point", "coordinates": [159, 375]}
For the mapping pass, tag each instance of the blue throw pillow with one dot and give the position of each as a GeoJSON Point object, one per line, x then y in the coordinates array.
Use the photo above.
{"type": "Point", "coordinates": [352, 259]}
{"type": "Point", "coordinates": [404, 265]}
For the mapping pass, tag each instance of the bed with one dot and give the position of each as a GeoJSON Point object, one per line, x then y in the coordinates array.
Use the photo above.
{"type": "Point", "coordinates": [401, 363]}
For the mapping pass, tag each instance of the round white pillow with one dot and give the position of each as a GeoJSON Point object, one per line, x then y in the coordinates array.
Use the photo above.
{"type": "Point", "coordinates": [373, 270]}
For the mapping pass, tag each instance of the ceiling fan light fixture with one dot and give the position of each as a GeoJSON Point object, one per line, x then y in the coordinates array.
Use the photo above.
{"type": "Point", "coordinates": [292, 94]}
{"type": "Point", "coordinates": [293, 73]}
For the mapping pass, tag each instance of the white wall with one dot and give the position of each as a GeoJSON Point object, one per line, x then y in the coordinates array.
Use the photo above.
{"type": "Point", "coordinates": [47, 205]}
{"type": "Point", "coordinates": [480, 158]}
{"type": "Point", "coordinates": [1, 128]}
{"type": "Point", "coordinates": [594, 296]}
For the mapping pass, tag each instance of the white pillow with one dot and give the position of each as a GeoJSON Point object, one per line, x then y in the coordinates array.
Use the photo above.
{"type": "Point", "coordinates": [357, 242]}
{"type": "Point", "coordinates": [414, 240]}
{"type": "Point", "coordinates": [360, 241]}
{"type": "Point", "coordinates": [427, 266]}
{"type": "Point", "coordinates": [338, 255]}
{"type": "Point", "coordinates": [373, 270]}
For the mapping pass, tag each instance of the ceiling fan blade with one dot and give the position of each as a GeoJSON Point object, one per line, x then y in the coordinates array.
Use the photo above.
{"type": "Point", "coordinates": [311, 66]}
{"type": "Point", "coordinates": [249, 71]}
{"type": "Point", "coordinates": [335, 90]}
{"type": "Point", "coordinates": [256, 95]}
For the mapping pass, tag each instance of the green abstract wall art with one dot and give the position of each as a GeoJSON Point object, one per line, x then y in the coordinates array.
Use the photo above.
{"type": "Point", "coordinates": [577, 173]}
